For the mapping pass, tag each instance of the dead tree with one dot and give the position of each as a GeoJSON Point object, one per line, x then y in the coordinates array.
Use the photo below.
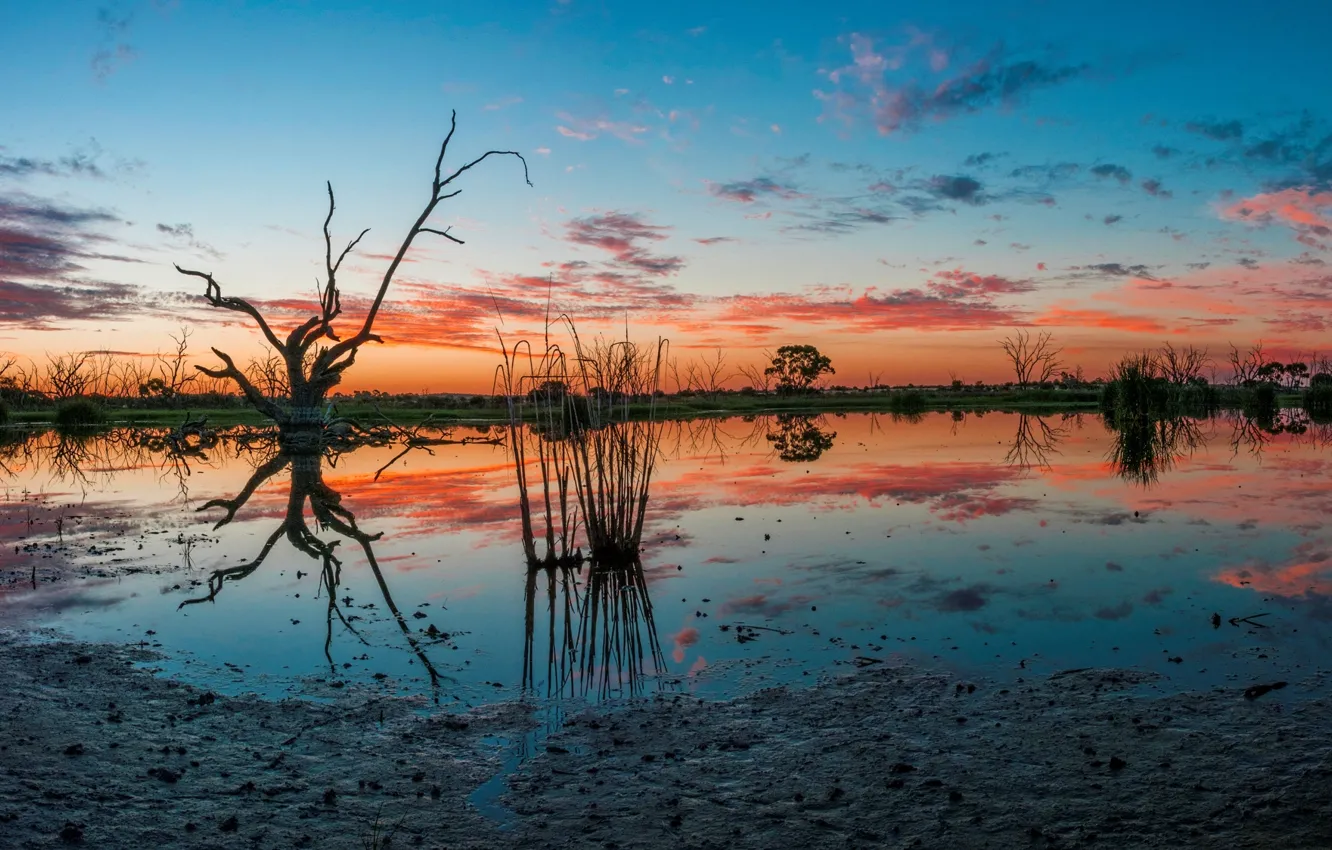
{"type": "Point", "coordinates": [1183, 365]}
{"type": "Point", "coordinates": [313, 369]}
{"type": "Point", "coordinates": [69, 375]}
{"type": "Point", "coordinates": [706, 376]}
{"type": "Point", "coordinates": [1246, 366]}
{"type": "Point", "coordinates": [1035, 361]}
{"type": "Point", "coordinates": [759, 379]}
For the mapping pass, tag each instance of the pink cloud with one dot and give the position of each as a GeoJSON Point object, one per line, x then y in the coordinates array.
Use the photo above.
{"type": "Point", "coordinates": [1302, 210]}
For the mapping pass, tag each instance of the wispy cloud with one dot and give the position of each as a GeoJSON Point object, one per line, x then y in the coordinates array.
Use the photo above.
{"type": "Point", "coordinates": [114, 50]}
{"type": "Point", "coordinates": [184, 234]}
{"type": "Point", "coordinates": [627, 238]}
{"type": "Point", "coordinates": [863, 86]}
{"type": "Point", "coordinates": [748, 191]}
{"type": "Point", "coordinates": [1119, 172]}
{"type": "Point", "coordinates": [587, 129]}
{"type": "Point", "coordinates": [1216, 130]}
{"type": "Point", "coordinates": [502, 103]}
{"type": "Point", "coordinates": [78, 164]}
{"type": "Point", "coordinates": [961, 188]}
{"type": "Point", "coordinates": [45, 249]}
{"type": "Point", "coordinates": [1154, 187]}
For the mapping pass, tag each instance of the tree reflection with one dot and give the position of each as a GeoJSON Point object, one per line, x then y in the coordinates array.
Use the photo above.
{"type": "Point", "coordinates": [1033, 442]}
{"type": "Point", "coordinates": [799, 438]}
{"type": "Point", "coordinates": [308, 493]}
{"type": "Point", "coordinates": [587, 488]}
{"type": "Point", "coordinates": [1252, 430]}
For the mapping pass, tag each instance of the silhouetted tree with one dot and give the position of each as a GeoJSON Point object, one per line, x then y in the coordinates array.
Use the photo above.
{"type": "Point", "coordinates": [1035, 360]}
{"type": "Point", "coordinates": [1182, 365]}
{"type": "Point", "coordinates": [797, 367]}
{"type": "Point", "coordinates": [314, 369]}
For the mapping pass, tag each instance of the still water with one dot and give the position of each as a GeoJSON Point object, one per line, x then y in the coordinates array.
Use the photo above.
{"type": "Point", "coordinates": [709, 557]}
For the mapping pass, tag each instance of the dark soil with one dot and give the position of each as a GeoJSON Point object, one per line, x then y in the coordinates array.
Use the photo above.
{"type": "Point", "coordinates": [100, 753]}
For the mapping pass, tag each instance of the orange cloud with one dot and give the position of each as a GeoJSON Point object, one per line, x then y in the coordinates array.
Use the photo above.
{"type": "Point", "coordinates": [1070, 317]}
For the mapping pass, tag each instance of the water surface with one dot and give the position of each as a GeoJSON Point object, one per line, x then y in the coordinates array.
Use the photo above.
{"type": "Point", "coordinates": [771, 550]}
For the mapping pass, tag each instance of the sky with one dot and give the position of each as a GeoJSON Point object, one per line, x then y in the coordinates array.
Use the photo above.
{"type": "Point", "coordinates": [901, 185]}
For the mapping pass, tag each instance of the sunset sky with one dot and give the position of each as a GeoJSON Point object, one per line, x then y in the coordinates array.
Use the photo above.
{"type": "Point", "coordinates": [899, 184]}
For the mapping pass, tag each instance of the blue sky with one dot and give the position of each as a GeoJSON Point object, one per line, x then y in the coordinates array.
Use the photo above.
{"type": "Point", "coordinates": [900, 183]}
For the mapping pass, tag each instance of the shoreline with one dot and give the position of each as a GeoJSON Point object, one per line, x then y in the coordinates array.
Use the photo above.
{"type": "Point", "coordinates": [888, 756]}
{"type": "Point", "coordinates": [452, 409]}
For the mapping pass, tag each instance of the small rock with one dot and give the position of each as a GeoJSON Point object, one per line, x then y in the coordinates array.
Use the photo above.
{"type": "Point", "coordinates": [1255, 691]}
{"type": "Point", "coordinates": [1117, 763]}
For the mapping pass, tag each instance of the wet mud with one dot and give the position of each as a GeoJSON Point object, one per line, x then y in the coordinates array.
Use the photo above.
{"type": "Point", "coordinates": [99, 752]}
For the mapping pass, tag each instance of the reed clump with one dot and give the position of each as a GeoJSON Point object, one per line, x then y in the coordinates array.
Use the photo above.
{"type": "Point", "coordinates": [1144, 385]}
{"type": "Point", "coordinates": [584, 468]}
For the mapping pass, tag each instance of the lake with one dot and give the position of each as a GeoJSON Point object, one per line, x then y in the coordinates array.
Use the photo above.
{"type": "Point", "coordinates": [709, 557]}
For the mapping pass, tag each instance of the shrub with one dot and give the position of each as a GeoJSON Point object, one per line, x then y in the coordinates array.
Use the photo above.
{"type": "Point", "coordinates": [78, 413]}
{"type": "Point", "coordinates": [907, 401]}
{"type": "Point", "coordinates": [4, 413]}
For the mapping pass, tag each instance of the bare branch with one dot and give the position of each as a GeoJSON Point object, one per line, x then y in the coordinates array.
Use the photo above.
{"type": "Point", "coordinates": [1034, 360]}
{"type": "Point", "coordinates": [435, 197]}
{"type": "Point", "coordinates": [273, 466]}
{"type": "Point", "coordinates": [252, 394]}
{"type": "Point", "coordinates": [213, 292]}
{"type": "Point", "coordinates": [330, 300]}
{"type": "Point", "coordinates": [445, 233]}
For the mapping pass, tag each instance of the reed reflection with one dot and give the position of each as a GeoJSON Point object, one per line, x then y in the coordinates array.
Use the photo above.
{"type": "Point", "coordinates": [1146, 446]}
{"type": "Point", "coordinates": [583, 498]}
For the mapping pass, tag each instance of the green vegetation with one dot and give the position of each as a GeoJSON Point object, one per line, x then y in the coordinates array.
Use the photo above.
{"type": "Point", "coordinates": [796, 368]}
{"type": "Point", "coordinates": [79, 413]}
{"type": "Point", "coordinates": [1317, 400]}
{"type": "Point", "coordinates": [1159, 384]}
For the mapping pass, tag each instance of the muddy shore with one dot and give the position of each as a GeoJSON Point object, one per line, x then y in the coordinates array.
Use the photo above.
{"type": "Point", "coordinates": [97, 752]}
